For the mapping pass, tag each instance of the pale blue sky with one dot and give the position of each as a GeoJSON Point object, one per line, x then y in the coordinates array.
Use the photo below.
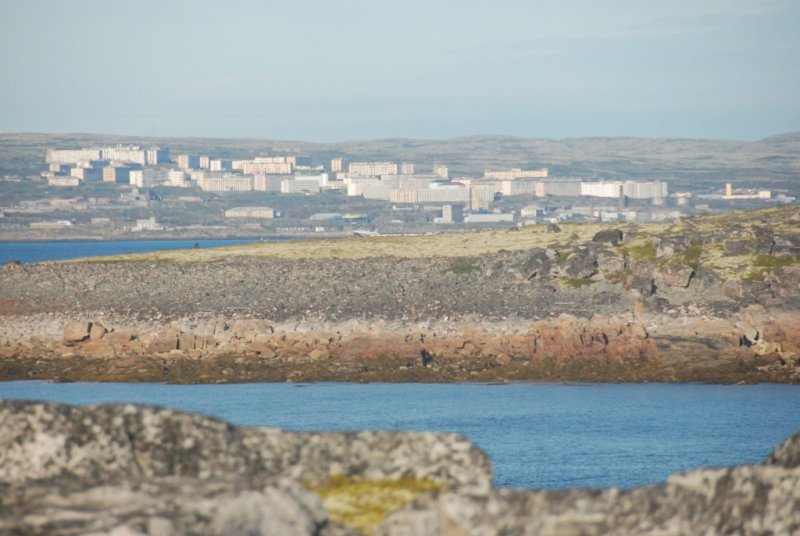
{"type": "Point", "coordinates": [330, 70]}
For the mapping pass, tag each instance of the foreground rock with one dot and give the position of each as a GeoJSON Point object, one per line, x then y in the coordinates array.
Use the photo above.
{"type": "Point", "coordinates": [73, 470]}
{"type": "Point", "coordinates": [124, 469]}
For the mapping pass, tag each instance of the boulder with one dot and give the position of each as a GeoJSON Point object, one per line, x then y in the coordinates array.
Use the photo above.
{"type": "Point", "coordinates": [165, 341]}
{"type": "Point", "coordinates": [674, 275]}
{"type": "Point", "coordinates": [538, 265]}
{"type": "Point", "coordinates": [608, 236]}
{"type": "Point", "coordinates": [668, 246]}
{"type": "Point", "coordinates": [97, 331]}
{"type": "Point", "coordinates": [580, 264]}
{"type": "Point", "coordinates": [610, 263]}
{"type": "Point", "coordinates": [76, 331]}
{"type": "Point", "coordinates": [787, 454]}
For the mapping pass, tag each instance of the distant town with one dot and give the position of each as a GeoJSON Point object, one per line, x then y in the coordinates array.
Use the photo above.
{"type": "Point", "coordinates": [128, 190]}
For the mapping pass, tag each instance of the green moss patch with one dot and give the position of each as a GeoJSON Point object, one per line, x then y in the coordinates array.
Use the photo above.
{"type": "Point", "coordinates": [462, 268]}
{"type": "Point", "coordinates": [764, 264]}
{"type": "Point", "coordinates": [641, 252]}
{"type": "Point", "coordinates": [363, 504]}
{"type": "Point", "coordinates": [576, 282]}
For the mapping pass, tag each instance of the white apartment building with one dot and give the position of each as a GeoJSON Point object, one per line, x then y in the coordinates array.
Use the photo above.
{"type": "Point", "coordinates": [301, 185]}
{"type": "Point", "coordinates": [645, 190]}
{"type": "Point", "coordinates": [188, 161]}
{"type": "Point", "coordinates": [125, 153]}
{"type": "Point", "coordinates": [444, 195]}
{"type": "Point", "coordinates": [631, 189]}
{"type": "Point", "coordinates": [518, 187]}
{"type": "Point", "coordinates": [86, 173]}
{"type": "Point", "coordinates": [226, 182]}
{"type": "Point", "coordinates": [601, 189]}
{"type": "Point", "coordinates": [72, 156]}
{"type": "Point", "coordinates": [267, 183]}
{"type": "Point", "coordinates": [559, 188]}
{"type": "Point", "coordinates": [516, 173]}
{"type": "Point", "coordinates": [157, 155]}
{"type": "Point", "coordinates": [338, 165]}
{"type": "Point", "coordinates": [177, 178]}
{"type": "Point", "coordinates": [268, 166]}
{"type": "Point", "coordinates": [219, 164]}
{"type": "Point", "coordinates": [406, 168]}
{"type": "Point", "coordinates": [372, 169]}
{"type": "Point", "coordinates": [147, 178]}
{"type": "Point", "coordinates": [441, 171]}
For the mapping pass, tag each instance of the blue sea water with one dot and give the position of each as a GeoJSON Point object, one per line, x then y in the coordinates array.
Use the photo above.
{"type": "Point", "coordinates": [537, 435]}
{"type": "Point", "coordinates": [28, 252]}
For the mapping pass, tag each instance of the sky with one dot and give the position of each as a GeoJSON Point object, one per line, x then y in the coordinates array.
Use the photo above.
{"type": "Point", "coordinates": [336, 70]}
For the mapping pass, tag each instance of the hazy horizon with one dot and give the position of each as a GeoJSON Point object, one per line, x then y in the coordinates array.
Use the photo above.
{"type": "Point", "coordinates": [355, 70]}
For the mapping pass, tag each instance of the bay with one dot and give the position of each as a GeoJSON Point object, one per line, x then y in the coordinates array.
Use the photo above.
{"type": "Point", "coordinates": [538, 435]}
{"type": "Point", "coordinates": [28, 252]}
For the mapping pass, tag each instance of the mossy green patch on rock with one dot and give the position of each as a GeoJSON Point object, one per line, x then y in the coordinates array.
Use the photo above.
{"type": "Point", "coordinates": [691, 256]}
{"type": "Point", "coordinates": [641, 252]}
{"type": "Point", "coordinates": [576, 282]}
{"type": "Point", "coordinates": [764, 264]}
{"type": "Point", "coordinates": [462, 268]}
{"type": "Point", "coordinates": [363, 504]}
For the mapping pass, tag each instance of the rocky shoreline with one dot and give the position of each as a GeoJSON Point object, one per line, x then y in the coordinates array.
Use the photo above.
{"type": "Point", "coordinates": [689, 304]}
{"type": "Point", "coordinates": [126, 469]}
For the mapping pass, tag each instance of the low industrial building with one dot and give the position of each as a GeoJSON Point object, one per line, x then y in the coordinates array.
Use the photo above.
{"type": "Point", "coordinates": [266, 213]}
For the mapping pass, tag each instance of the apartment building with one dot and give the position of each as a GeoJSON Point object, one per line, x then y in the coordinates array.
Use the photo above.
{"type": "Point", "coordinates": [372, 169]}
{"type": "Point", "coordinates": [631, 189]}
{"type": "Point", "coordinates": [118, 174]}
{"type": "Point", "coordinates": [156, 156]}
{"type": "Point", "coordinates": [72, 156]}
{"type": "Point", "coordinates": [263, 182]}
{"type": "Point", "coordinates": [188, 161]}
{"type": "Point", "coordinates": [516, 173]}
{"type": "Point", "coordinates": [269, 166]}
{"type": "Point", "coordinates": [147, 178]}
{"type": "Point", "coordinates": [225, 182]}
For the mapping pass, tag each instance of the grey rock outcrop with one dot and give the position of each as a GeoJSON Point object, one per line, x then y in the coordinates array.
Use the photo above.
{"type": "Point", "coordinates": [674, 275]}
{"type": "Point", "coordinates": [741, 500]}
{"type": "Point", "coordinates": [106, 443]}
{"type": "Point", "coordinates": [124, 469]}
{"type": "Point", "coordinates": [608, 236]}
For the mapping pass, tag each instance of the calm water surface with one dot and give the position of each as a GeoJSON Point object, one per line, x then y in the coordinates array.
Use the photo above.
{"type": "Point", "coordinates": [538, 435]}
{"type": "Point", "coordinates": [27, 252]}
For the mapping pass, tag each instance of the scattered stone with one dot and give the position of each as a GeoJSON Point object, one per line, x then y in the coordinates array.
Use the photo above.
{"type": "Point", "coordinates": [608, 236]}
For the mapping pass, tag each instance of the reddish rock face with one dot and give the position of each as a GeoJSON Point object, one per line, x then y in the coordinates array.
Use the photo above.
{"type": "Point", "coordinates": [76, 331]}
{"type": "Point", "coordinates": [624, 347]}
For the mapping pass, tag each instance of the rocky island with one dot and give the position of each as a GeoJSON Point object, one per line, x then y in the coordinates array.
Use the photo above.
{"type": "Point", "coordinates": [709, 299]}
